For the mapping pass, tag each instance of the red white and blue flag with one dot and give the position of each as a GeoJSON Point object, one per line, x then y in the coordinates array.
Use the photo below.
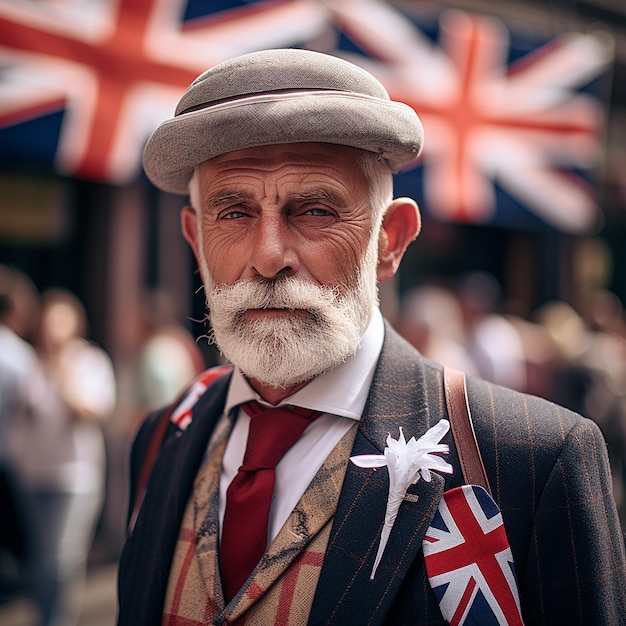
{"type": "Point", "coordinates": [182, 414]}
{"type": "Point", "coordinates": [514, 126]}
{"type": "Point", "coordinates": [469, 561]}
{"type": "Point", "coordinates": [84, 82]}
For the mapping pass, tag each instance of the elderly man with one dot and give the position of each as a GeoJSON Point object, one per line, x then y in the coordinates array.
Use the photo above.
{"type": "Point", "coordinates": [261, 497]}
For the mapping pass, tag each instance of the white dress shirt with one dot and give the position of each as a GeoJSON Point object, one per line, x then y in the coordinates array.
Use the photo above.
{"type": "Point", "coordinates": [340, 394]}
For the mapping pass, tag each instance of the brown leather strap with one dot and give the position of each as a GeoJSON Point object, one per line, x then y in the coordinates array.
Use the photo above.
{"type": "Point", "coordinates": [463, 428]}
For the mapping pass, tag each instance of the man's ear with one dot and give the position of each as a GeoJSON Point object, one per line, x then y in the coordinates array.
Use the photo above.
{"type": "Point", "coordinates": [400, 227]}
{"type": "Point", "coordinates": [189, 225]}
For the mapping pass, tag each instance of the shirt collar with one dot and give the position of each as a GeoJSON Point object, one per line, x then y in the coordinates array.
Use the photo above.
{"type": "Point", "coordinates": [340, 391]}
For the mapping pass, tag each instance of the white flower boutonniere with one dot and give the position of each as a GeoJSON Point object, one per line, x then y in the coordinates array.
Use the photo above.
{"type": "Point", "coordinates": [407, 462]}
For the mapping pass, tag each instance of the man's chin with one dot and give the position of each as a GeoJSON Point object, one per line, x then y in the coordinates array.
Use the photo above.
{"type": "Point", "coordinates": [281, 385]}
{"type": "Point", "coordinates": [273, 364]}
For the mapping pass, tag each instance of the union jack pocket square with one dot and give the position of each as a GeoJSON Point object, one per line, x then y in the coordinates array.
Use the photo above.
{"type": "Point", "coordinates": [469, 561]}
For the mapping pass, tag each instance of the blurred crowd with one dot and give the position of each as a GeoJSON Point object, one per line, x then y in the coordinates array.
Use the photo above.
{"type": "Point", "coordinates": [62, 464]}
{"type": "Point", "coordinates": [576, 358]}
{"type": "Point", "coordinates": [59, 393]}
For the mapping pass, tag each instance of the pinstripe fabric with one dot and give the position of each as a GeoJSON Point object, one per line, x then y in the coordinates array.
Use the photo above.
{"type": "Point", "coordinates": [549, 473]}
{"type": "Point", "coordinates": [548, 470]}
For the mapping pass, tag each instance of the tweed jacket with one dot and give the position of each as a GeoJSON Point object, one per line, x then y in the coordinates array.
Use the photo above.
{"type": "Point", "coordinates": [548, 471]}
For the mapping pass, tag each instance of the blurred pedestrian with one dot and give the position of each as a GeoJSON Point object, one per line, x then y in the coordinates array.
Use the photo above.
{"type": "Point", "coordinates": [430, 319]}
{"type": "Point", "coordinates": [493, 343]}
{"type": "Point", "coordinates": [169, 358]}
{"type": "Point", "coordinates": [20, 385]}
{"type": "Point", "coordinates": [60, 455]}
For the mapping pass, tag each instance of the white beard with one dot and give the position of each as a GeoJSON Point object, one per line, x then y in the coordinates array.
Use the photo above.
{"type": "Point", "coordinates": [285, 350]}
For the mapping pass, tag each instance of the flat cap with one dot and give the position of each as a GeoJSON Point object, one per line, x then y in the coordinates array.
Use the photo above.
{"type": "Point", "coordinates": [277, 97]}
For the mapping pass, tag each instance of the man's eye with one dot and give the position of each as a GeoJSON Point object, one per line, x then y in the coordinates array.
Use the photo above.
{"type": "Point", "coordinates": [233, 215]}
{"type": "Point", "coordinates": [317, 212]}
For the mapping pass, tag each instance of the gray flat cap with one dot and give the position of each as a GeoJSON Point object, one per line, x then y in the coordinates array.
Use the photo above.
{"type": "Point", "coordinates": [278, 97]}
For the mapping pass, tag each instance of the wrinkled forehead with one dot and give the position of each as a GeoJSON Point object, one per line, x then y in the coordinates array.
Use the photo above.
{"type": "Point", "coordinates": [306, 163]}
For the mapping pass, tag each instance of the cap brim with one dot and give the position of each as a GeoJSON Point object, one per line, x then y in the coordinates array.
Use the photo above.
{"type": "Point", "coordinates": [391, 129]}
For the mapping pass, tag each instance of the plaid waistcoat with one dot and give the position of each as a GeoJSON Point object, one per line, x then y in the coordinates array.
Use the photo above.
{"type": "Point", "coordinates": [281, 588]}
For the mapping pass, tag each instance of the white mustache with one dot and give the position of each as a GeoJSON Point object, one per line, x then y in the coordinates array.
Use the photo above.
{"type": "Point", "coordinates": [282, 293]}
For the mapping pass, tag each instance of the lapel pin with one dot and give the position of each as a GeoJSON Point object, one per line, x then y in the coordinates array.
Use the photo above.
{"type": "Point", "coordinates": [407, 462]}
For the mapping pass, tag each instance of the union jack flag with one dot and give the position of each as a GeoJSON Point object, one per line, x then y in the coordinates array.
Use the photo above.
{"type": "Point", "coordinates": [469, 561]}
{"type": "Point", "coordinates": [84, 82]}
{"type": "Point", "coordinates": [182, 413]}
{"type": "Point", "coordinates": [513, 128]}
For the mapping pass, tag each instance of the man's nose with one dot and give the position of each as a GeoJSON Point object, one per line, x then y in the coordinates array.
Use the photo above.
{"type": "Point", "coordinates": [273, 248]}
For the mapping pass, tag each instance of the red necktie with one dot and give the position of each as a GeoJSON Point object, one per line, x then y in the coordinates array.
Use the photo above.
{"type": "Point", "coordinates": [244, 536]}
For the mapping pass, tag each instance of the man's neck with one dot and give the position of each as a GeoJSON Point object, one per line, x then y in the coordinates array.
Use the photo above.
{"type": "Point", "coordinates": [274, 395]}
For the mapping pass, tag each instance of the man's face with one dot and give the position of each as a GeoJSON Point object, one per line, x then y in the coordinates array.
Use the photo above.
{"type": "Point", "coordinates": [285, 247]}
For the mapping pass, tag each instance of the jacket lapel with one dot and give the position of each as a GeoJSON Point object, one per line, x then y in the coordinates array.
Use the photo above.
{"type": "Point", "coordinates": [398, 398]}
{"type": "Point", "coordinates": [149, 550]}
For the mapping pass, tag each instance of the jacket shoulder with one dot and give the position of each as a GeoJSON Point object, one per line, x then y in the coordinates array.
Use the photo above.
{"type": "Point", "coordinates": [160, 425]}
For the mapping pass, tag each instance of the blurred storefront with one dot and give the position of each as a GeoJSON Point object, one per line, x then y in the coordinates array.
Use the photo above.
{"type": "Point", "coordinates": [523, 103]}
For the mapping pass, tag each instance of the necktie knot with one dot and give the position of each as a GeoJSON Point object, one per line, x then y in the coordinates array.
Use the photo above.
{"type": "Point", "coordinates": [273, 430]}
{"type": "Point", "coordinates": [254, 408]}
